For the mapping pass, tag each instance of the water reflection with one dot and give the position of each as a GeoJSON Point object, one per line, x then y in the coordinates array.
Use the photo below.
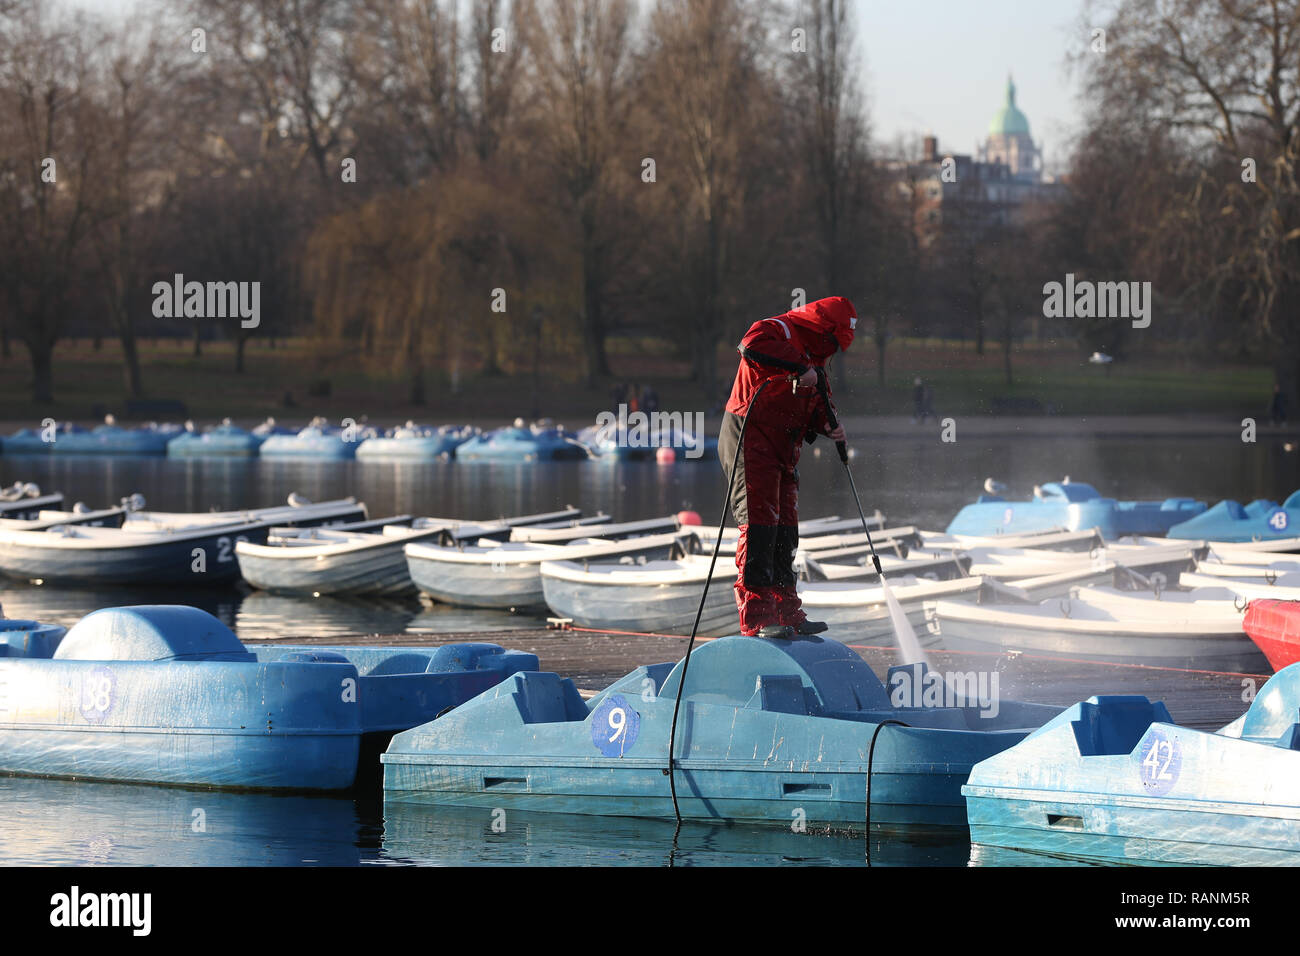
{"type": "Point", "coordinates": [449, 836]}
{"type": "Point", "coordinates": [63, 822]}
{"type": "Point", "coordinates": [78, 823]}
{"type": "Point", "coordinates": [257, 615]}
{"type": "Point", "coordinates": [917, 480]}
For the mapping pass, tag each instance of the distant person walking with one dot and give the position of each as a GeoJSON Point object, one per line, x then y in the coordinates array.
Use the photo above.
{"type": "Point", "coordinates": [1277, 408]}
{"type": "Point", "coordinates": [649, 400]}
{"type": "Point", "coordinates": [922, 401]}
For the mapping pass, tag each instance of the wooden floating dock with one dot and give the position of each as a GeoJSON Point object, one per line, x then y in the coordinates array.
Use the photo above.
{"type": "Point", "coordinates": [1205, 700]}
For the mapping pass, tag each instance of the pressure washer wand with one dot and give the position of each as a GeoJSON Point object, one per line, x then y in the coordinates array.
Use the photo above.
{"type": "Point", "coordinates": [842, 448]}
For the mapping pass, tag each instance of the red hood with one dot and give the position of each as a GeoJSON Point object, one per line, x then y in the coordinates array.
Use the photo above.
{"type": "Point", "coordinates": [834, 316]}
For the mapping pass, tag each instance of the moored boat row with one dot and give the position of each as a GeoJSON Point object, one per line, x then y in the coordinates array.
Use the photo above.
{"type": "Point", "coordinates": [769, 727]}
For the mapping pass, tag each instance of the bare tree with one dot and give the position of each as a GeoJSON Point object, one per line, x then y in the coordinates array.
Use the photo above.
{"type": "Point", "coordinates": [406, 59]}
{"type": "Point", "coordinates": [831, 127]}
{"type": "Point", "coordinates": [581, 65]}
{"type": "Point", "coordinates": [136, 71]}
{"type": "Point", "coordinates": [47, 149]}
{"type": "Point", "coordinates": [711, 102]}
{"type": "Point", "coordinates": [282, 64]}
{"type": "Point", "coordinates": [1221, 80]}
{"type": "Point", "coordinates": [498, 46]}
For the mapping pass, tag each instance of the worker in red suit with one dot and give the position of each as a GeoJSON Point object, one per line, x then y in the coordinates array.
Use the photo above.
{"type": "Point", "coordinates": [788, 352]}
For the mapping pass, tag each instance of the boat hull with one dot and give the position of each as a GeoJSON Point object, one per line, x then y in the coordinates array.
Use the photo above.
{"type": "Point", "coordinates": [430, 448]}
{"type": "Point", "coordinates": [1274, 626]}
{"type": "Point", "coordinates": [323, 448]}
{"type": "Point", "coordinates": [650, 609]}
{"type": "Point", "coordinates": [378, 569]}
{"type": "Point", "coordinates": [504, 581]}
{"type": "Point", "coordinates": [215, 446]}
{"type": "Point", "coordinates": [29, 509]}
{"type": "Point", "coordinates": [759, 794]}
{"type": "Point", "coordinates": [1213, 649]}
{"type": "Point", "coordinates": [203, 558]}
{"type": "Point", "coordinates": [478, 585]}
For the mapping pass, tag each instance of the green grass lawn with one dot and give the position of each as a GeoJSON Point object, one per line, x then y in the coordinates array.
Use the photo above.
{"type": "Point", "coordinates": [964, 383]}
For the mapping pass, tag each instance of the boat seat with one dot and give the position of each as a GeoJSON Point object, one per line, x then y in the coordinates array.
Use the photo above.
{"type": "Point", "coordinates": [1074, 492]}
{"type": "Point", "coordinates": [636, 683]}
{"type": "Point", "coordinates": [1259, 508]}
{"type": "Point", "coordinates": [546, 698]}
{"type": "Point", "coordinates": [1112, 725]}
{"type": "Point", "coordinates": [30, 639]}
{"type": "Point", "coordinates": [780, 693]}
{"type": "Point", "coordinates": [1291, 739]}
{"type": "Point", "coordinates": [407, 663]}
{"type": "Point", "coordinates": [1273, 712]}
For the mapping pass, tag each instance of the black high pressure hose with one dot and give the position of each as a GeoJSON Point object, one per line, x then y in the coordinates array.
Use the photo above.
{"type": "Point", "coordinates": [871, 757]}
{"type": "Point", "coordinates": [842, 448]}
{"type": "Point", "coordinates": [717, 544]}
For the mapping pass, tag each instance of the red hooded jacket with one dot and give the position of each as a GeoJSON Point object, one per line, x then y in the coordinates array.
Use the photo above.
{"type": "Point", "coordinates": [786, 345]}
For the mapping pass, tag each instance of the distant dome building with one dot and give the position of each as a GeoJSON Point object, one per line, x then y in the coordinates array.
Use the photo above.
{"type": "Point", "coordinates": [1009, 141]}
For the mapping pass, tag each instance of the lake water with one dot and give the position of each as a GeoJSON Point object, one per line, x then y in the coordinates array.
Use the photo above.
{"type": "Point", "coordinates": [911, 482]}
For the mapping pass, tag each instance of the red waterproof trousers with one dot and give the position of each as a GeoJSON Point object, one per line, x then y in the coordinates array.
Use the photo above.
{"type": "Point", "coordinates": [765, 503]}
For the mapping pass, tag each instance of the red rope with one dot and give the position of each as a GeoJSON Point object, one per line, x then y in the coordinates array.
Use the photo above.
{"type": "Point", "coordinates": [881, 647]}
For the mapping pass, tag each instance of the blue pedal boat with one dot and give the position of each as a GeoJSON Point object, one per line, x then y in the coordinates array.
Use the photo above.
{"type": "Point", "coordinates": [1261, 520]}
{"type": "Point", "coordinates": [319, 440]}
{"type": "Point", "coordinates": [32, 441]}
{"type": "Point", "coordinates": [413, 442]}
{"type": "Point", "coordinates": [112, 439]}
{"type": "Point", "coordinates": [520, 444]}
{"type": "Point", "coordinates": [1072, 506]}
{"type": "Point", "coordinates": [610, 442]}
{"type": "Point", "coordinates": [168, 695]}
{"type": "Point", "coordinates": [1114, 779]}
{"type": "Point", "coordinates": [30, 639]}
{"type": "Point", "coordinates": [221, 441]}
{"type": "Point", "coordinates": [768, 731]}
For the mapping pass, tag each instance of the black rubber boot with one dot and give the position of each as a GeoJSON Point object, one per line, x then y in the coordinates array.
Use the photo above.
{"type": "Point", "coordinates": [777, 632]}
{"type": "Point", "coordinates": [808, 628]}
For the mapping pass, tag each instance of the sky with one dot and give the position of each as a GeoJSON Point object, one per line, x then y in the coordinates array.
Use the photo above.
{"type": "Point", "coordinates": [940, 66]}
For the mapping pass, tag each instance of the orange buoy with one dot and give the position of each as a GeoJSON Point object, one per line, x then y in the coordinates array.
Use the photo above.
{"type": "Point", "coordinates": [665, 456]}
{"type": "Point", "coordinates": [689, 517]}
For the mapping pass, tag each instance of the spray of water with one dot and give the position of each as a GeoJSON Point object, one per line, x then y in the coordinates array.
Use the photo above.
{"type": "Point", "coordinates": [909, 647]}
